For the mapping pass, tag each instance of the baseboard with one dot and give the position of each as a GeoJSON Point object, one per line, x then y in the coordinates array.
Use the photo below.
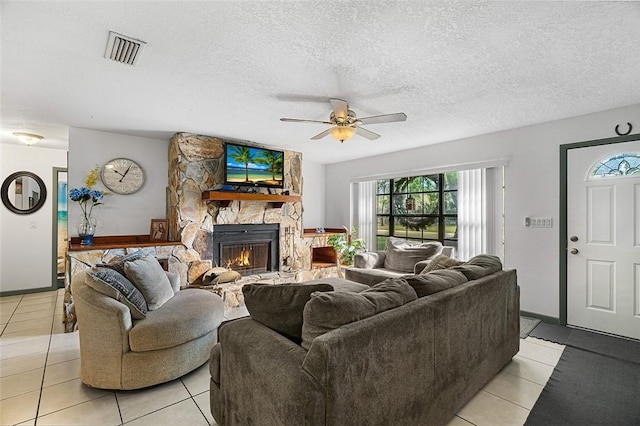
{"type": "Point", "coordinates": [26, 291]}
{"type": "Point", "coordinates": [544, 318]}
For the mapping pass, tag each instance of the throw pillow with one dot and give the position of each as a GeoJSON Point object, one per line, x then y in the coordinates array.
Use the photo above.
{"type": "Point", "coordinates": [152, 281]}
{"type": "Point", "coordinates": [115, 285]}
{"type": "Point", "coordinates": [479, 266]}
{"type": "Point", "coordinates": [441, 262]}
{"type": "Point", "coordinates": [327, 311]}
{"type": "Point", "coordinates": [228, 276]}
{"type": "Point", "coordinates": [280, 306]}
{"type": "Point", "coordinates": [118, 262]}
{"type": "Point", "coordinates": [433, 282]}
{"type": "Point", "coordinates": [402, 255]}
{"type": "Point", "coordinates": [212, 274]}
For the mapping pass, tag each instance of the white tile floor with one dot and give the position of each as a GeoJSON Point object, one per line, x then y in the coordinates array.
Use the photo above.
{"type": "Point", "coordinates": [39, 379]}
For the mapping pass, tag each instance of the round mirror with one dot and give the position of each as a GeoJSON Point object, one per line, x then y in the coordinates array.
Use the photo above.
{"type": "Point", "coordinates": [23, 192]}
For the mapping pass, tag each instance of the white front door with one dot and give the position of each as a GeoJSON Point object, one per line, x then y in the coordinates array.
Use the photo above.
{"type": "Point", "coordinates": [603, 240]}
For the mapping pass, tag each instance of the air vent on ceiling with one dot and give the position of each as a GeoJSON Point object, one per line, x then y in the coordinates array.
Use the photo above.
{"type": "Point", "coordinates": [121, 48]}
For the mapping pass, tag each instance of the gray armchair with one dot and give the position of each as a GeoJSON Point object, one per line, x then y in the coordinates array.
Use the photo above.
{"type": "Point", "coordinates": [373, 267]}
{"type": "Point", "coordinates": [120, 352]}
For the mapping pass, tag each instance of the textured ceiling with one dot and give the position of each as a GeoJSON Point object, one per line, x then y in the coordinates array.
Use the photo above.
{"type": "Point", "coordinates": [232, 69]}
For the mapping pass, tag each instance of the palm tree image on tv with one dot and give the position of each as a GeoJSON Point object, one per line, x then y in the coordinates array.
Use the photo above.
{"type": "Point", "coordinates": [241, 155]}
{"type": "Point", "coordinates": [274, 162]}
{"type": "Point", "coordinates": [255, 166]}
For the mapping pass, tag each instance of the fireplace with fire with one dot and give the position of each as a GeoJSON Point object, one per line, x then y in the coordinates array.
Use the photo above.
{"type": "Point", "coordinates": [248, 249]}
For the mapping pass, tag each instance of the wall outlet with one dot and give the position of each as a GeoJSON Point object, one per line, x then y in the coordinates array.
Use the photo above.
{"type": "Point", "coordinates": [538, 222]}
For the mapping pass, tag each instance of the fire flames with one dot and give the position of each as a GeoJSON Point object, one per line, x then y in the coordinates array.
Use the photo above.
{"type": "Point", "coordinates": [243, 259]}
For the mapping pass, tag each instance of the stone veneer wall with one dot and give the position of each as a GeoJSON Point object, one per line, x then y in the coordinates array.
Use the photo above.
{"type": "Point", "coordinates": [196, 164]}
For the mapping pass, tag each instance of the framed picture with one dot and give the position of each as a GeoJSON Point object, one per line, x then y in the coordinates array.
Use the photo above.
{"type": "Point", "coordinates": [159, 230]}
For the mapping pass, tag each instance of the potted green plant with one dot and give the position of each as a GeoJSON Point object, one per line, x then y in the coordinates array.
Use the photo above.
{"type": "Point", "coordinates": [347, 245]}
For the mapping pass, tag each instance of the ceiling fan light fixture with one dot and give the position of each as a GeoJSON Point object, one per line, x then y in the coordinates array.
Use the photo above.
{"type": "Point", "coordinates": [28, 138]}
{"type": "Point", "coordinates": [342, 133]}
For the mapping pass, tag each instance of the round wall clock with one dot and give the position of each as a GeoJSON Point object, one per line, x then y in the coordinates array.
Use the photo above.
{"type": "Point", "coordinates": [122, 176]}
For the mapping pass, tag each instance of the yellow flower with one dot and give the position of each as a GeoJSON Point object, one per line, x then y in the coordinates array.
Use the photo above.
{"type": "Point", "coordinates": [92, 177]}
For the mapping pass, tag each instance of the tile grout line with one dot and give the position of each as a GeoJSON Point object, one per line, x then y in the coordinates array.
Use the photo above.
{"type": "Point", "coordinates": [194, 401]}
{"type": "Point", "coordinates": [545, 346]}
{"type": "Point", "coordinates": [46, 358]}
{"type": "Point", "coordinates": [468, 421]}
{"type": "Point", "coordinates": [531, 359]}
{"type": "Point", "coordinates": [524, 378]}
{"type": "Point", "coordinates": [4, 327]}
{"type": "Point", "coordinates": [506, 400]}
{"type": "Point", "coordinates": [115, 395]}
{"type": "Point", "coordinates": [159, 409]}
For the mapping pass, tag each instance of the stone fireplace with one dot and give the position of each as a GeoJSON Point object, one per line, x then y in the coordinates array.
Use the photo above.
{"type": "Point", "coordinates": [196, 166]}
{"type": "Point", "coordinates": [248, 249]}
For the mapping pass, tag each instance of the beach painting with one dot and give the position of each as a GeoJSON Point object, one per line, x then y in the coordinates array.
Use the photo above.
{"type": "Point", "coordinates": [62, 223]}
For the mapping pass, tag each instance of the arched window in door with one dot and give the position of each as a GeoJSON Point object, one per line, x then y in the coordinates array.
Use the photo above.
{"type": "Point", "coordinates": [616, 165]}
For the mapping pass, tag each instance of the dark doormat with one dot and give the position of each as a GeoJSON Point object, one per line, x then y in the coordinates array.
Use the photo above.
{"type": "Point", "coordinates": [596, 382]}
{"type": "Point", "coordinates": [614, 347]}
{"type": "Point", "coordinates": [552, 332]}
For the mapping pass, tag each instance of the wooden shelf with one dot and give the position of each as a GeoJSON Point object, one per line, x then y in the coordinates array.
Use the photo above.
{"type": "Point", "coordinates": [225, 197]}
{"type": "Point", "coordinates": [311, 232]}
{"type": "Point", "coordinates": [108, 242]}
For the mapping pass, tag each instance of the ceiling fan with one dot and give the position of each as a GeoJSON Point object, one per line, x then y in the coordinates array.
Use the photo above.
{"type": "Point", "coordinates": [345, 123]}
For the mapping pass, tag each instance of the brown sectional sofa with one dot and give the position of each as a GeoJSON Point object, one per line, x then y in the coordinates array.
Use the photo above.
{"type": "Point", "coordinates": [416, 364]}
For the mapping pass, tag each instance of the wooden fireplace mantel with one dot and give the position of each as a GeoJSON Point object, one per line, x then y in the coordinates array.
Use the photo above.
{"type": "Point", "coordinates": [225, 197]}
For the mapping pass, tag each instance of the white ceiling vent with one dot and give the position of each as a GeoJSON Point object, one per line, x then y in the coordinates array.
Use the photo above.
{"type": "Point", "coordinates": [123, 49]}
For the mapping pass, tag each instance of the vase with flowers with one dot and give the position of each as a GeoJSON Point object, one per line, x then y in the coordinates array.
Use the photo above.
{"type": "Point", "coordinates": [87, 198]}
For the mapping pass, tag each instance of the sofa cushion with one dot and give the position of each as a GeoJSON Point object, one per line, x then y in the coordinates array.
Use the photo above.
{"type": "Point", "coordinates": [152, 281]}
{"type": "Point", "coordinates": [340, 284]}
{"type": "Point", "coordinates": [479, 266]}
{"type": "Point", "coordinates": [188, 315]}
{"type": "Point", "coordinates": [369, 259]}
{"type": "Point", "coordinates": [433, 282]}
{"type": "Point", "coordinates": [115, 285]}
{"type": "Point", "coordinates": [371, 277]}
{"type": "Point", "coordinates": [441, 262]}
{"type": "Point", "coordinates": [118, 262]}
{"type": "Point", "coordinates": [327, 311]}
{"type": "Point", "coordinates": [402, 255]}
{"type": "Point", "coordinates": [280, 306]}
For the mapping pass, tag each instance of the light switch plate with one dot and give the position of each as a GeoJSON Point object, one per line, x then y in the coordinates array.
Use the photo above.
{"type": "Point", "coordinates": [538, 222]}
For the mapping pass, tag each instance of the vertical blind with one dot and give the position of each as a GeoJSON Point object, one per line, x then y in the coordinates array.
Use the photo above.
{"type": "Point", "coordinates": [367, 213]}
{"type": "Point", "coordinates": [472, 213]}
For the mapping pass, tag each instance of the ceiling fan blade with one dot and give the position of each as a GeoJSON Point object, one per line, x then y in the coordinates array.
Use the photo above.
{"type": "Point", "coordinates": [340, 108]}
{"type": "Point", "coordinates": [321, 135]}
{"type": "Point", "coordinates": [298, 120]}
{"type": "Point", "coordinates": [367, 133]}
{"type": "Point", "coordinates": [385, 118]}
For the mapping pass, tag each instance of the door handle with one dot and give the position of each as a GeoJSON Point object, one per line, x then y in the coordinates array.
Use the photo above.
{"type": "Point", "coordinates": [574, 251]}
{"type": "Point", "coordinates": [574, 238]}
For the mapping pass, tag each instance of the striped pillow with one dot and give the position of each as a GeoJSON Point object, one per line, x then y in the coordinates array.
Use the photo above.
{"type": "Point", "coordinates": [115, 285]}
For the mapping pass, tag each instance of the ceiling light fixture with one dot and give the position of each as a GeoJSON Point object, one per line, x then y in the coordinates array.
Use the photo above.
{"type": "Point", "coordinates": [28, 138]}
{"type": "Point", "coordinates": [342, 133]}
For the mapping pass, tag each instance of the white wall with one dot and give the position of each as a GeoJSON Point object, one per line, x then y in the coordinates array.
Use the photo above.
{"type": "Point", "coordinates": [120, 214]}
{"type": "Point", "coordinates": [532, 189]}
{"type": "Point", "coordinates": [313, 194]}
{"type": "Point", "coordinates": [26, 258]}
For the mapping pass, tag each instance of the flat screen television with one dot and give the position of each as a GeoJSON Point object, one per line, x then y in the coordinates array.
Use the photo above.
{"type": "Point", "coordinates": [251, 166]}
